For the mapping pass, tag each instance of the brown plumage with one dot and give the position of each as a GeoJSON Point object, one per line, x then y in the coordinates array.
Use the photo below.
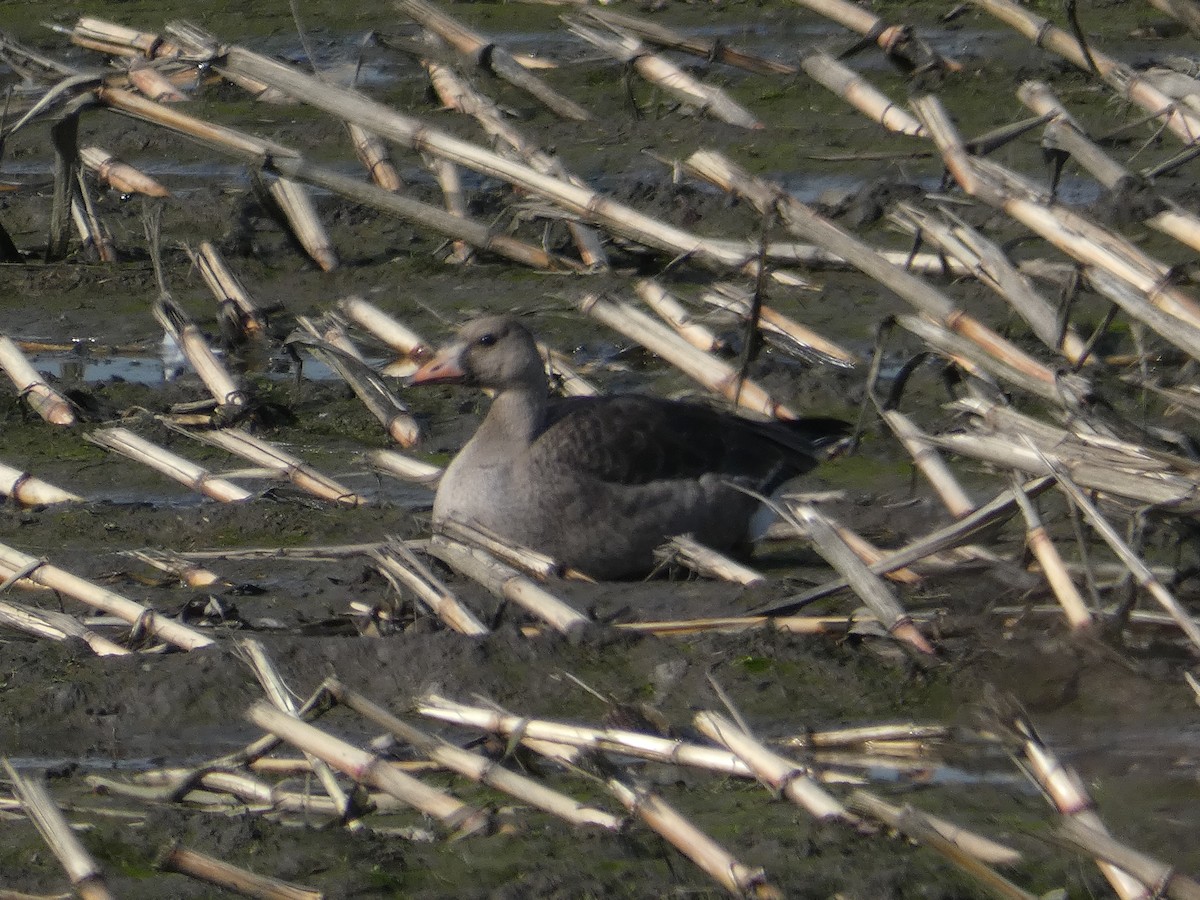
{"type": "Point", "coordinates": [600, 482]}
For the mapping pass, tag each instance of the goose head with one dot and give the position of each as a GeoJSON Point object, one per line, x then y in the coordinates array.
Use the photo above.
{"type": "Point", "coordinates": [496, 352]}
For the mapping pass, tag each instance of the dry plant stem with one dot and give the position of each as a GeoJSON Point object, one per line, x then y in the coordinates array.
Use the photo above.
{"type": "Point", "coordinates": [982, 848]}
{"type": "Point", "coordinates": [734, 624]}
{"type": "Point", "coordinates": [86, 877]}
{"type": "Point", "coordinates": [612, 740]}
{"type": "Point", "coordinates": [199, 479]}
{"type": "Point", "coordinates": [406, 468]}
{"type": "Point", "coordinates": [297, 207]}
{"type": "Point", "coordinates": [660, 71]}
{"type": "Point", "coordinates": [494, 57]}
{"type": "Point", "coordinates": [399, 337]}
{"type": "Point", "coordinates": [1186, 11]}
{"type": "Point", "coordinates": [227, 287]}
{"type": "Point", "coordinates": [714, 374]}
{"type": "Point", "coordinates": [55, 626]}
{"type": "Point", "coordinates": [801, 220]}
{"type": "Point", "coordinates": [43, 399]}
{"type": "Point", "coordinates": [231, 877]}
{"type": "Point", "coordinates": [176, 566]}
{"type": "Point", "coordinates": [894, 40]}
{"type": "Point", "coordinates": [372, 153]}
{"type": "Point", "coordinates": [1161, 878]}
{"type": "Point", "coordinates": [531, 562]}
{"type": "Point", "coordinates": [398, 562]}
{"type": "Point", "coordinates": [258, 451]}
{"type": "Point", "coordinates": [917, 826]}
{"type": "Point", "coordinates": [154, 84]}
{"type": "Point", "coordinates": [118, 175]}
{"type": "Point", "coordinates": [1074, 234]}
{"type": "Point", "coordinates": [291, 164]}
{"type": "Point", "coordinates": [1141, 572]}
{"type": "Point", "coordinates": [30, 491]}
{"type": "Point", "coordinates": [930, 462]}
{"type": "Point", "coordinates": [563, 375]}
{"type": "Point", "coordinates": [474, 766]}
{"type": "Point", "coordinates": [685, 837]}
{"type": "Point", "coordinates": [783, 776]}
{"type": "Point", "coordinates": [1065, 790]}
{"type": "Point", "coordinates": [135, 614]}
{"type": "Point", "coordinates": [272, 684]}
{"type": "Point", "coordinates": [870, 589]}
{"type": "Point", "coordinates": [92, 232]}
{"type": "Point", "coordinates": [1065, 133]}
{"type": "Point", "coordinates": [861, 94]}
{"type": "Point", "coordinates": [671, 311]}
{"type": "Point", "coordinates": [1177, 117]}
{"type": "Point", "coordinates": [1076, 610]}
{"type": "Point", "coordinates": [987, 262]}
{"type": "Point", "coordinates": [739, 300]}
{"type": "Point", "coordinates": [670, 39]}
{"type": "Point", "coordinates": [411, 132]}
{"type": "Point", "coordinates": [686, 551]}
{"type": "Point", "coordinates": [507, 583]}
{"type": "Point", "coordinates": [366, 768]}
{"type": "Point", "coordinates": [200, 356]}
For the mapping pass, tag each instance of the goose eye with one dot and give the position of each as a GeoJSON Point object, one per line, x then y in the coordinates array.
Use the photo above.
{"type": "Point", "coordinates": [486, 340]}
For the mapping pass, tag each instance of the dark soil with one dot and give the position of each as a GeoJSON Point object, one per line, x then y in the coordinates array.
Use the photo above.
{"type": "Point", "coordinates": [1116, 709]}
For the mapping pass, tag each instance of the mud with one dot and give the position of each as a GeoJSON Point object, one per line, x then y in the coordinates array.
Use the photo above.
{"type": "Point", "coordinates": [1118, 711]}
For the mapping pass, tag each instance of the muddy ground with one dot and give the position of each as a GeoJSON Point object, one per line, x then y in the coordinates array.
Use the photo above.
{"type": "Point", "coordinates": [1117, 710]}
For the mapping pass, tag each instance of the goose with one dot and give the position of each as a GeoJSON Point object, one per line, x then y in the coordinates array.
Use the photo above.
{"type": "Point", "coordinates": [600, 482]}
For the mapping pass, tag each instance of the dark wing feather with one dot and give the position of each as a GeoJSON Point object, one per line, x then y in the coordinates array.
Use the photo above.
{"type": "Point", "coordinates": [635, 439]}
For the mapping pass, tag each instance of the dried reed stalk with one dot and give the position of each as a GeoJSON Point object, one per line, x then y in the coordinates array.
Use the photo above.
{"type": "Point", "coordinates": [1065, 790]}
{"type": "Point", "coordinates": [737, 299]}
{"type": "Point", "coordinates": [782, 776]}
{"type": "Point", "coordinates": [675, 314]}
{"type": "Point", "coordinates": [228, 288]}
{"type": "Point", "coordinates": [507, 583]}
{"type": "Point", "coordinates": [142, 617]}
{"type": "Point", "coordinates": [1141, 572]}
{"type": "Point", "coordinates": [1160, 877]}
{"type": "Point", "coordinates": [179, 326]}
{"type": "Point", "coordinates": [398, 562]}
{"type": "Point", "coordinates": [333, 347]}
{"type": "Point", "coordinates": [1036, 538]}
{"type": "Point", "coordinates": [92, 232]}
{"type": "Point", "coordinates": [580, 200]}
{"type": "Point", "coordinates": [86, 877]}
{"type": "Point", "coordinates": [177, 567]}
{"type": "Point", "coordinates": [42, 399]}
{"type": "Point", "coordinates": [959, 846]}
{"type": "Point", "coordinates": [406, 468]}
{"type": "Point", "coordinates": [685, 837]}
{"type": "Point", "coordinates": [153, 84]}
{"type": "Point", "coordinates": [668, 38]}
{"type": "Point", "coordinates": [187, 473]}
{"type": "Point", "coordinates": [1177, 118]}
{"type": "Point", "coordinates": [531, 562]}
{"type": "Point", "coordinates": [230, 877]}
{"type": "Point", "coordinates": [1064, 133]}
{"type": "Point", "coordinates": [283, 464]}
{"type": "Point", "coordinates": [686, 551]}
{"type": "Point", "coordinates": [54, 626]}
{"type": "Point", "coordinates": [860, 93]}
{"type": "Point", "coordinates": [132, 41]}
{"type": "Point", "coordinates": [272, 684]}
{"type": "Point", "coordinates": [926, 458]}
{"type": "Point", "coordinates": [563, 375]}
{"type": "Point", "coordinates": [30, 491]}
{"type": "Point", "coordinates": [905, 733]}
{"type": "Point", "coordinates": [289, 163]}
{"type": "Point", "coordinates": [118, 175]}
{"type": "Point", "coordinates": [870, 589]}
{"type": "Point", "coordinates": [366, 768]}
{"type": "Point", "coordinates": [735, 624]}
{"type": "Point", "coordinates": [457, 94]}
{"type": "Point", "coordinates": [898, 41]}
{"type": "Point", "coordinates": [297, 207]}
{"type": "Point", "coordinates": [1070, 231]}
{"type": "Point", "coordinates": [474, 766]}
{"type": "Point", "coordinates": [714, 374]}
{"type": "Point", "coordinates": [802, 221]}
{"type": "Point", "coordinates": [371, 318]}
{"type": "Point", "coordinates": [613, 740]}
{"type": "Point", "coordinates": [373, 154]}
{"type": "Point", "coordinates": [663, 73]}
{"type": "Point", "coordinates": [988, 264]}
{"type": "Point", "coordinates": [490, 55]}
